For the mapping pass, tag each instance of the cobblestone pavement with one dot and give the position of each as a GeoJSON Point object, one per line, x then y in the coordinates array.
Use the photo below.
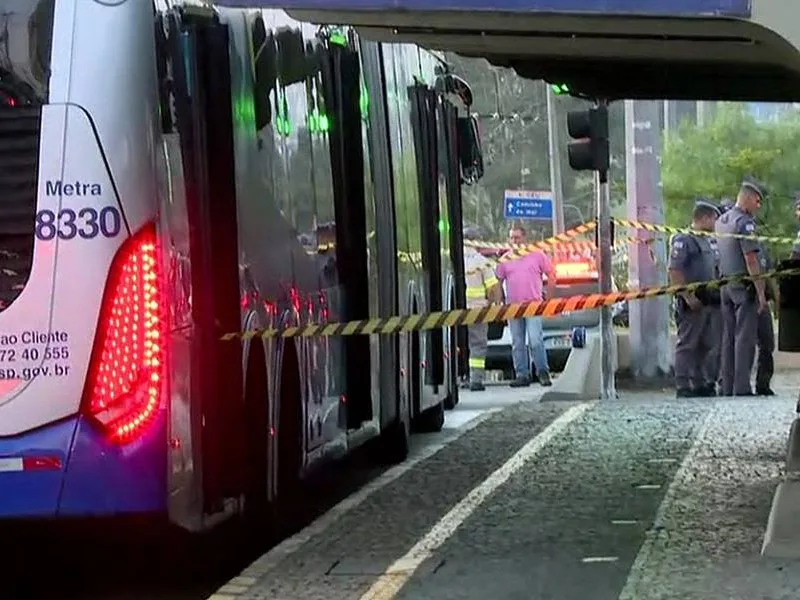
{"type": "Point", "coordinates": [645, 498]}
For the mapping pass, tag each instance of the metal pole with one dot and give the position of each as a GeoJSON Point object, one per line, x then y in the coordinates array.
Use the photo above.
{"type": "Point", "coordinates": [608, 339]}
{"type": "Point", "coordinates": [555, 163]}
{"type": "Point", "coordinates": [651, 353]}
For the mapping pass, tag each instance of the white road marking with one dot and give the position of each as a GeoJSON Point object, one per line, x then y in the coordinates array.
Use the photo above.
{"type": "Point", "coordinates": [662, 461]}
{"type": "Point", "coordinates": [398, 574]}
{"type": "Point", "coordinates": [635, 579]}
{"type": "Point", "coordinates": [289, 546]}
{"type": "Point", "coordinates": [600, 559]}
{"type": "Point", "coordinates": [624, 522]}
{"type": "Point", "coordinates": [649, 486]}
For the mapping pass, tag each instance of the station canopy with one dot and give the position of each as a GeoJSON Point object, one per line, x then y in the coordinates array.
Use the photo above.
{"type": "Point", "coordinates": [637, 49]}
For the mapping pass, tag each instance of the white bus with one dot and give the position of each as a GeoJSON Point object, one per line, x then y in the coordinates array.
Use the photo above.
{"type": "Point", "coordinates": [170, 175]}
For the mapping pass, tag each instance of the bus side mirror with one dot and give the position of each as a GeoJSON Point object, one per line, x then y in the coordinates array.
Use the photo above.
{"type": "Point", "coordinates": [470, 153]}
{"type": "Point", "coordinates": [294, 66]}
{"type": "Point", "coordinates": [789, 309]}
{"type": "Point", "coordinates": [266, 72]}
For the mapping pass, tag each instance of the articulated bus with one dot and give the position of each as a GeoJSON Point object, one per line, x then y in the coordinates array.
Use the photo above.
{"type": "Point", "coordinates": [174, 174]}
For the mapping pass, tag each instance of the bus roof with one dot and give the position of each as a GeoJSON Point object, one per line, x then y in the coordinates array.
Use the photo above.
{"type": "Point", "coordinates": [744, 50]}
{"type": "Point", "coordinates": [670, 8]}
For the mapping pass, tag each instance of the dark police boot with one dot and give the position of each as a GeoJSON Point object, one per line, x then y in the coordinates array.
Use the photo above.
{"type": "Point", "coordinates": [520, 382]}
{"type": "Point", "coordinates": [477, 386]}
{"type": "Point", "coordinates": [764, 391]}
{"type": "Point", "coordinates": [708, 391]}
{"type": "Point", "coordinates": [544, 379]}
{"type": "Point", "coordinates": [685, 393]}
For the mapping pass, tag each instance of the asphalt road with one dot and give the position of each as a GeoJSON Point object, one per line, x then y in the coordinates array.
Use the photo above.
{"type": "Point", "coordinates": [645, 498]}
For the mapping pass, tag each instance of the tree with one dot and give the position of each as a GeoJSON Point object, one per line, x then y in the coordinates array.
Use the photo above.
{"type": "Point", "coordinates": [710, 161]}
{"type": "Point", "coordinates": [512, 112]}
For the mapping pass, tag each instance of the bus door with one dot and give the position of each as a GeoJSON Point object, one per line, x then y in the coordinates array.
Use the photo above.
{"type": "Point", "coordinates": [450, 166]}
{"type": "Point", "coordinates": [198, 49]}
{"type": "Point", "coordinates": [341, 82]}
{"type": "Point", "coordinates": [424, 102]}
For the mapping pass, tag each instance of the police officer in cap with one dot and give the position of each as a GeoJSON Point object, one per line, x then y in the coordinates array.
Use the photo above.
{"type": "Point", "coordinates": [692, 259]}
{"type": "Point", "coordinates": [742, 301]}
{"type": "Point", "coordinates": [716, 310]}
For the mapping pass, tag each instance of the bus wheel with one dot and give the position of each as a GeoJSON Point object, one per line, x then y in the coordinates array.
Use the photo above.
{"type": "Point", "coordinates": [256, 404]}
{"type": "Point", "coordinates": [429, 420]}
{"type": "Point", "coordinates": [451, 367]}
{"type": "Point", "coordinates": [393, 443]}
{"type": "Point", "coordinates": [290, 435]}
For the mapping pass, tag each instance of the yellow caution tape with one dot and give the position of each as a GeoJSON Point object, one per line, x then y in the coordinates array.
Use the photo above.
{"type": "Point", "coordinates": [519, 250]}
{"type": "Point", "coordinates": [489, 314]}
{"type": "Point", "coordinates": [667, 229]}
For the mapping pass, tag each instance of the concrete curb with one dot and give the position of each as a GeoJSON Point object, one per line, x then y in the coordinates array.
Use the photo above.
{"type": "Point", "coordinates": [782, 537]}
{"type": "Point", "coordinates": [580, 379]}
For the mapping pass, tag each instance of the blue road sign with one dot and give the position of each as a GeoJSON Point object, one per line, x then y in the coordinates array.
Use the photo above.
{"type": "Point", "coordinates": [677, 8]}
{"type": "Point", "coordinates": [524, 204]}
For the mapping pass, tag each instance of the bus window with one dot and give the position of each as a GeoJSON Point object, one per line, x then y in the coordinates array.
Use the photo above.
{"type": "Point", "coordinates": [24, 77]}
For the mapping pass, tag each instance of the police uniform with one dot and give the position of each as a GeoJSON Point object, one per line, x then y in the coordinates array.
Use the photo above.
{"type": "Point", "coordinates": [716, 313]}
{"type": "Point", "coordinates": [765, 337]}
{"type": "Point", "coordinates": [480, 278]}
{"type": "Point", "coordinates": [739, 300]}
{"type": "Point", "coordinates": [697, 345]}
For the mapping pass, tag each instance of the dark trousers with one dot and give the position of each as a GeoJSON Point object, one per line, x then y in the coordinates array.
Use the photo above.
{"type": "Point", "coordinates": [696, 347]}
{"type": "Point", "coordinates": [739, 330]}
{"type": "Point", "coordinates": [765, 364]}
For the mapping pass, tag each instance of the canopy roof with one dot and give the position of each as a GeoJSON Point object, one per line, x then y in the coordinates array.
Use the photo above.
{"type": "Point", "coordinates": [681, 49]}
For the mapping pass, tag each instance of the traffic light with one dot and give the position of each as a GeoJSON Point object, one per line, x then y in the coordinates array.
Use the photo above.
{"type": "Point", "coordinates": [589, 129]}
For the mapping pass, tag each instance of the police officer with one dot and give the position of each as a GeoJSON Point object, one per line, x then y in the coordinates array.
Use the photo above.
{"type": "Point", "coordinates": [742, 301]}
{"type": "Point", "coordinates": [765, 336]}
{"type": "Point", "coordinates": [692, 259]}
{"type": "Point", "coordinates": [715, 312]}
{"type": "Point", "coordinates": [483, 288]}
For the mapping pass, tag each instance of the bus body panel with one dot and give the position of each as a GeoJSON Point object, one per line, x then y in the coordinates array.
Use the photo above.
{"type": "Point", "coordinates": [51, 325]}
{"type": "Point", "coordinates": [122, 102]}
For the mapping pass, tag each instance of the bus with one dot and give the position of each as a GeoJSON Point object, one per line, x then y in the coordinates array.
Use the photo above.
{"type": "Point", "coordinates": [172, 174]}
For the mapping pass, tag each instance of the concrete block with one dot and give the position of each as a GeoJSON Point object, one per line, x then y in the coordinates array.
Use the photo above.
{"type": "Point", "coordinates": [580, 379]}
{"type": "Point", "coordinates": [793, 450]}
{"type": "Point", "coordinates": [782, 538]}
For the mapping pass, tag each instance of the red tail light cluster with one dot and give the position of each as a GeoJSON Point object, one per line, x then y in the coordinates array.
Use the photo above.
{"type": "Point", "coordinates": [124, 387]}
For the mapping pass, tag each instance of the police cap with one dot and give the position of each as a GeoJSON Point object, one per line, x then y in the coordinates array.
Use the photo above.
{"type": "Point", "coordinates": [754, 185]}
{"type": "Point", "coordinates": [702, 204]}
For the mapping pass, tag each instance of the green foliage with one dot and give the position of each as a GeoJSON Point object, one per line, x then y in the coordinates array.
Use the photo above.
{"type": "Point", "coordinates": [711, 161]}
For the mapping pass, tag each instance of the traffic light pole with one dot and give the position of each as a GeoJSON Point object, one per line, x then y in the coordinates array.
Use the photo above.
{"type": "Point", "coordinates": [608, 340]}
{"type": "Point", "coordinates": [555, 163]}
{"type": "Point", "coordinates": [589, 151]}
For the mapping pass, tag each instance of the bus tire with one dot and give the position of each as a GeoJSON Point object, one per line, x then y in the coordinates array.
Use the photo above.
{"type": "Point", "coordinates": [430, 420]}
{"type": "Point", "coordinates": [451, 368]}
{"type": "Point", "coordinates": [289, 436]}
{"type": "Point", "coordinates": [256, 405]}
{"type": "Point", "coordinates": [393, 443]}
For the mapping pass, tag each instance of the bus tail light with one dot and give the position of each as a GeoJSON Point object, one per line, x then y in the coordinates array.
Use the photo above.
{"type": "Point", "coordinates": [124, 386]}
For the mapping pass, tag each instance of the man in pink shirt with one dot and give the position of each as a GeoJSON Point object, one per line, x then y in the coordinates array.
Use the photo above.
{"type": "Point", "coordinates": [523, 279]}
